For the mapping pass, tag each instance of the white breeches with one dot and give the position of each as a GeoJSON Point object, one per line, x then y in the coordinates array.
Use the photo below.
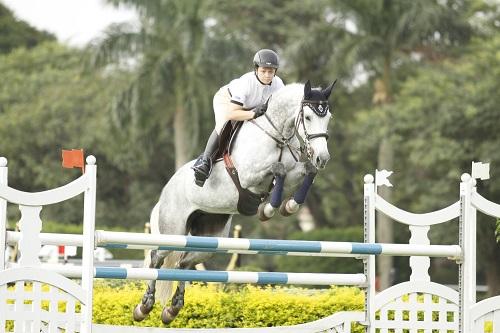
{"type": "Point", "coordinates": [221, 102]}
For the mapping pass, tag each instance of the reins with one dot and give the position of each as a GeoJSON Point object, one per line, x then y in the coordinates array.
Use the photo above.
{"type": "Point", "coordinates": [320, 108]}
{"type": "Point", "coordinates": [282, 141]}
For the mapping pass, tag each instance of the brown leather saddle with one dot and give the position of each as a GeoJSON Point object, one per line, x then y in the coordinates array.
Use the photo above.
{"type": "Point", "coordinates": [248, 202]}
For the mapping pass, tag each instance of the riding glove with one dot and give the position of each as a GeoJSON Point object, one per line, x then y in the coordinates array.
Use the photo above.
{"type": "Point", "coordinates": [260, 110]}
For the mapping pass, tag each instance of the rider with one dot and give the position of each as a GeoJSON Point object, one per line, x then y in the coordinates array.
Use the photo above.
{"type": "Point", "coordinates": [243, 98]}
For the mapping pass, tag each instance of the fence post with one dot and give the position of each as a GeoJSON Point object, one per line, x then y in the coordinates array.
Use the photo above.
{"type": "Point", "coordinates": [467, 241]}
{"type": "Point", "coordinates": [89, 242]}
{"type": "Point", "coordinates": [369, 262]}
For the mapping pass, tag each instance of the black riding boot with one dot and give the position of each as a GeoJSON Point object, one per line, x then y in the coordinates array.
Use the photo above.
{"type": "Point", "coordinates": [203, 166]}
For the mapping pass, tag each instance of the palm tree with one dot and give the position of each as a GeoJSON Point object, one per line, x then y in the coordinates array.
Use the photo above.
{"type": "Point", "coordinates": [172, 58]}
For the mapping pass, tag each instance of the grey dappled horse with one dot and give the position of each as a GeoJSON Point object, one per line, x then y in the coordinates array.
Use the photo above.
{"type": "Point", "coordinates": [285, 144]}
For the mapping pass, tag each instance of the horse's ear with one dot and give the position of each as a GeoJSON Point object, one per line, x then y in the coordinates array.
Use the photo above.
{"type": "Point", "coordinates": [307, 90]}
{"type": "Point", "coordinates": [328, 90]}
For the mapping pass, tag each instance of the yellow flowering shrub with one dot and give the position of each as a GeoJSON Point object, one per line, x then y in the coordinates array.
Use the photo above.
{"type": "Point", "coordinates": [217, 305]}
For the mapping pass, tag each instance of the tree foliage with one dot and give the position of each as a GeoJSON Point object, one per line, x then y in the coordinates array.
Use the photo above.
{"type": "Point", "coordinates": [444, 119]}
{"type": "Point", "coordinates": [47, 104]}
{"type": "Point", "coordinates": [15, 33]}
{"type": "Point", "coordinates": [176, 73]}
{"type": "Point", "coordinates": [144, 106]}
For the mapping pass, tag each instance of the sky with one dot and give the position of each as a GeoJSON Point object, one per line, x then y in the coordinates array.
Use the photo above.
{"type": "Point", "coordinates": [74, 22]}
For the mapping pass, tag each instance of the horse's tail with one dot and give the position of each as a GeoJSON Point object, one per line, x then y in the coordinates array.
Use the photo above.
{"type": "Point", "coordinates": [154, 229]}
{"type": "Point", "coordinates": [164, 289]}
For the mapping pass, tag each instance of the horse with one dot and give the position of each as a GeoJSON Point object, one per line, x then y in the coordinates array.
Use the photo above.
{"type": "Point", "coordinates": [277, 148]}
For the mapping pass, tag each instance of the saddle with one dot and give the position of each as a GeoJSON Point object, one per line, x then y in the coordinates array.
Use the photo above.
{"type": "Point", "coordinates": [248, 202]}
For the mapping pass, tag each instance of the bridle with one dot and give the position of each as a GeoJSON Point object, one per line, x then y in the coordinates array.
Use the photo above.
{"type": "Point", "coordinates": [320, 108]}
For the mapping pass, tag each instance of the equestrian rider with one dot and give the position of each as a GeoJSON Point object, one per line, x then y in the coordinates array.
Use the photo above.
{"type": "Point", "coordinates": [242, 99]}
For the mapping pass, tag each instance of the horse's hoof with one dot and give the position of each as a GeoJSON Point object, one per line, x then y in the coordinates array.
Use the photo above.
{"type": "Point", "coordinates": [288, 208]}
{"type": "Point", "coordinates": [261, 212]}
{"type": "Point", "coordinates": [138, 314]}
{"type": "Point", "coordinates": [282, 209]}
{"type": "Point", "coordinates": [168, 315]}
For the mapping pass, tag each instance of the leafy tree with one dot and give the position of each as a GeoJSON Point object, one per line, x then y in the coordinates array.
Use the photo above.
{"type": "Point", "coordinates": [46, 105]}
{"type": "Point", "coordinates": [380, 36]}
{"type": "Point", "coordinates": [445, 118]}
{"type": "Point", "coordinates": [16, 33]}
{"type": "Point", "coordinates": [269, 24]}
{"type": "Point", "coordinates": [177, 71]}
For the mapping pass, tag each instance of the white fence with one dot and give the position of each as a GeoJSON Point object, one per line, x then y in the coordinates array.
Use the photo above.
{"type": "Point", "coordinates": [418, 305]}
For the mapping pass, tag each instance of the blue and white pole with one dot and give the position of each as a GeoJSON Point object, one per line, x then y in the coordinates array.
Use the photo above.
{"type": "Point", "coordinates": [130, 240]}
{"type": "Point", "coordinates": [215, 276]}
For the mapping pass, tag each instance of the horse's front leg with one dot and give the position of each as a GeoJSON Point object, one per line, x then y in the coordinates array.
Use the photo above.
{"type": "Point", "coordinates": [292, 205]}
{"type": "Point", "coordinates": [266, 209]}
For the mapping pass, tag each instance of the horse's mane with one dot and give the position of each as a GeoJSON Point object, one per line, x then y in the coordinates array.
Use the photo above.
{"type": "Point", "coordinates": [287, 98]}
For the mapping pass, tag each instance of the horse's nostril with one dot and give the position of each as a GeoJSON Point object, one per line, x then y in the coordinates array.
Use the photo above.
{"type": "Point", "coordinates": [318, 161]}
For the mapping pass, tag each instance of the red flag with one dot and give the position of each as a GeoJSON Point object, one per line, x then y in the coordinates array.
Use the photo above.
{"type": "Point", "coordinates": [73, 159]}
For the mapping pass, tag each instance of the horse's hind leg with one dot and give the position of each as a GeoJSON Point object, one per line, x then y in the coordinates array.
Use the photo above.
{"type": "Point", "coordinates": [169, 313]}
{"type": "Point", "coordinates": [213, 225]}
{"type": "Point", "coordinates": [142, 310]}
{"type": "Point", "coordinates": [188, 261]}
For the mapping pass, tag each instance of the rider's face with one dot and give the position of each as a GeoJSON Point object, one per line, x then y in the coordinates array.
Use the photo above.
{"type": "Point", "coordinates": [266, 74]}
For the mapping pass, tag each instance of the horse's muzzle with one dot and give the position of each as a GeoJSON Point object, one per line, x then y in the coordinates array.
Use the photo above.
{"type": "Point", "coordinates": [321, 160]}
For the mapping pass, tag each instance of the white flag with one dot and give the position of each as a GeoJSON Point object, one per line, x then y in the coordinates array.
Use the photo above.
{"type": "Point", "coordinates": [381, 178]}
{"type": "Point", "coordinates": [70, 250]}
{"type": "Point", "coordinates": [480, 170]}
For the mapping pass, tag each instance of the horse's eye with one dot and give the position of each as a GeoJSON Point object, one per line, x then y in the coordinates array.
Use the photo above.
{"type": "Point", "coordinates": [308, 118]}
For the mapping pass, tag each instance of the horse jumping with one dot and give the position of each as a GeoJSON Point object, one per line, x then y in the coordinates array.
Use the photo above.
{"type": "Point", "coordinates": [282, 149]}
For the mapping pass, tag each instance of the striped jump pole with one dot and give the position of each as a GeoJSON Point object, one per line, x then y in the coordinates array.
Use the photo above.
{"type": "Point", "coordinates": [272, 246]}
{"type": "Point", "coordinates": [128, 240]}
{"type": "Point", "coordinates": [214, 276]}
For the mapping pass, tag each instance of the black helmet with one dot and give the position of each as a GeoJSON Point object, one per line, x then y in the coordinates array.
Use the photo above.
{"type": "Point", "coordinates": [266, 58]}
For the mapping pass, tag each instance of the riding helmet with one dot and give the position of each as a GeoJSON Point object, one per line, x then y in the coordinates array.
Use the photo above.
{"type": "Point", "coordinates": [266, 58]}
